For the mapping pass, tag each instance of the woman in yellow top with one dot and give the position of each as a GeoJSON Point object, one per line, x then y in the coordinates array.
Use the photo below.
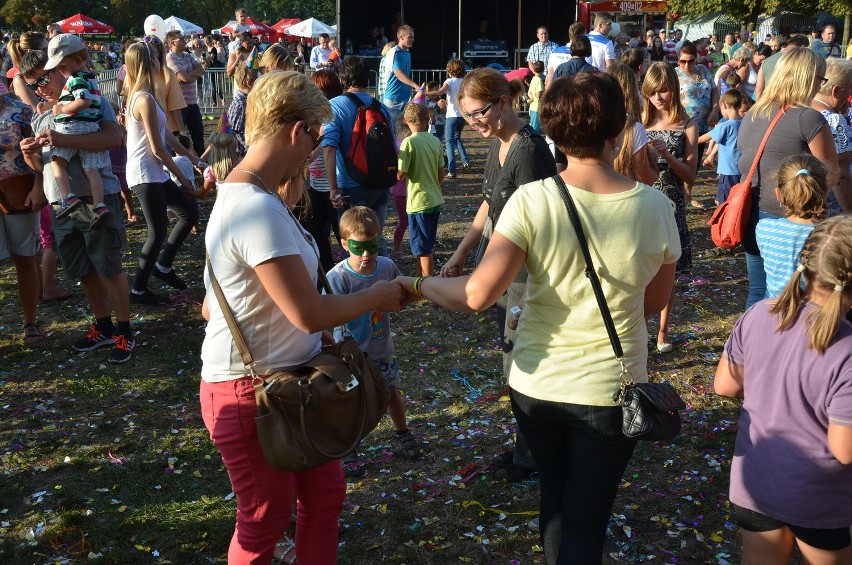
{"type": "Point", "coordinates": [564, 373]}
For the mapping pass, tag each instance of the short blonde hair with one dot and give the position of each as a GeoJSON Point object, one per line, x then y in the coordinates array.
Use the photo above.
{"type": "Point", "coordinates": [283, 96]}
{"type": "Point", "coordinates": [359, 220]}
{"type": "Point", "coordinates": [838, 72]}
{"type": "Point", "coordinates": [792, 82]}
{"type": "Point", "coordinates": [743, 54]}
{"type": "Point", "coordinates": [416, 113]}
{"type": "Point", "coordinates": [244, 76]}
{"type": "Point", "coordinates": [277, 58]}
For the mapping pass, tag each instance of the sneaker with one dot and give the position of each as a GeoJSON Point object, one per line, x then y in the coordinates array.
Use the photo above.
{"type": "Point", "coordinates": [68, 205]}
{"type": "Point", "coordinates": [100, 214]}
{"type": "Point", "coordinates": [147, 299]}
{"type": "Point", "coordinates": [93, 340]}
{"type": "Point", "coordinates": [123, 349]}
{"type": "Point", "coordinates": [408, 448]}
{"type": "Point", "coordinates": [450, 176]}
{"type": "Point", "coordinates": [465, 166]}
{"type": "Point", "coordinates": [170, 278]}
{"type": "Point", "coordinates": [533, 524]}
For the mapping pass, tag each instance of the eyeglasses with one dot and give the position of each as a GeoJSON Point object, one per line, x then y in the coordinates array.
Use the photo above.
{"type": "Point", "coordinates": [357, 248]}
{"type": "Point", "coordinates": [479, 114]}
{"type": "Point", "coordinates": [317, 139]}
{"type": "Point", "coordinates": [41, 82]}
{"type": "Point", "coordinates": [686, 61]}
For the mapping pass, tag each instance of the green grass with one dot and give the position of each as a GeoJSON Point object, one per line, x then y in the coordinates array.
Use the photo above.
{"type": "Point", "coordinates": [118, 456]}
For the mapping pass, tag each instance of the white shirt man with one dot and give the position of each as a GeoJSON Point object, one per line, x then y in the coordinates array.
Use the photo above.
{"type": "Point", "coordinates": [603, 51]}
{"type": "Point", "coordinates": [321, 53]}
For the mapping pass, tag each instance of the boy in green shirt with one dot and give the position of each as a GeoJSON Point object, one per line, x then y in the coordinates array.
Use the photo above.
{"type": "Point", "coordinates": [421, 162]}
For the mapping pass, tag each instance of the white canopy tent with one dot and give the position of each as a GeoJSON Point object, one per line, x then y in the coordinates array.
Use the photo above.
{"type": "Point", "coordinates": [311, 27]}
{"type": "Point", "coordinates": [174, 23]}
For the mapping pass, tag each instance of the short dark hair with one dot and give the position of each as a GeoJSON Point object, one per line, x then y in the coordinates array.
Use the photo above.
{"type": "Point", "coordinates": [799, 40]}
{"type": "Point", "coordinates": [538, 67]}
{"type": "Point", "coordinates": [575, 29]}
{"type": "Point", "coordinates": [580, 113]}
{"type": "Point", "coordinates": [32, 61]}
{"type": "Point", "coordinates": [688, 48]}
{"type": "Point", "coordinates": [581, 46]}
{"type": "Point", "coordinates": [354, 72]}
{"type": "Point", "coordinates": [323, 36]}
{"type": "Point", "coordinates": [633, 58]}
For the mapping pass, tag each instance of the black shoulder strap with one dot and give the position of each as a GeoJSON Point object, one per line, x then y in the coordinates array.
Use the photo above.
{"type": "Point", "coordinates": [591, 274]}
{"type": "Point", "coordinates": [354, 98]}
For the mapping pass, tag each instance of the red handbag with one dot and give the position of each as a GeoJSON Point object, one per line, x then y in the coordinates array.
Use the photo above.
{"type": "Point", "coordinates": [730, 220]}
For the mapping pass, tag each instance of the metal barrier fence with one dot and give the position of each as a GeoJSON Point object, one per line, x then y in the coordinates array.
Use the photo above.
{"type": "Point", "coordinates": [216, 89]}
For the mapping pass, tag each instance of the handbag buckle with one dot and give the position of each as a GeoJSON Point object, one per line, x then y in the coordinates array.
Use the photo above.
{"type": "Point", "coordinates": [305, 390]}
{"type": "Point", "coordinates": [625, 379]}
{"type": "Point", "coordinates": [351, 385]}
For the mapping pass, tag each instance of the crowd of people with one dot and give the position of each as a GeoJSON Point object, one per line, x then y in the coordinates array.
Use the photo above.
{"type": "Point", "coordinates": [621, 131]}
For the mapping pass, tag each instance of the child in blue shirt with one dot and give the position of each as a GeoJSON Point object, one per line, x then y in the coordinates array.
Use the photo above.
{"type": "Point", "coordinates": [359, 234]}
{"type": "Point", "coordinates": [725, 135]}
{"type": "Point", "coordinates": [803, 193]}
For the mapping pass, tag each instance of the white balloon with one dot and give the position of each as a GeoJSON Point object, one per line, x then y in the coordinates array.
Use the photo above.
{"type": "Point", "coordinates": [154, 25]}
{"type": "Point", "coordinates": [616, 29]}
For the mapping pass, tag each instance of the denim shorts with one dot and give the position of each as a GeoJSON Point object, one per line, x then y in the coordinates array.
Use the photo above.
{"type": "Point", "coordinates": [826, 539]}
{"type": "Point", "coordinates": [423, 231]}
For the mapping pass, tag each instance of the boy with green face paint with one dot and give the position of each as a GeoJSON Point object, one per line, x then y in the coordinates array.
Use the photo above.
{"type": "Point", "coordinates": [359, 232]}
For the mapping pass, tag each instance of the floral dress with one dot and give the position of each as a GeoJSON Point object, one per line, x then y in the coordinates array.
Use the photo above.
{"type": "Point", "coordinates": [697, 95]}
{"type": "Point", "coordinates": [841, 131]}
{"type": "Point", "coordinates": [672, 186]}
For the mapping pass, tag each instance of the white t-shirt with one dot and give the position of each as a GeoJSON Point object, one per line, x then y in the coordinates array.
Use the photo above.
{"type": "Point", "coordinates": [246, 228]}
{"type": "Point", "coordinates": [453, 85]}
{"type": "Point", "coordinates": [557, 57]}
{"type": "Point", "coordinates": [602, 50]}
{"type": "Point", "coordinates": [640, 138]}
{"type": "Point", "coordinates": [185, 165]}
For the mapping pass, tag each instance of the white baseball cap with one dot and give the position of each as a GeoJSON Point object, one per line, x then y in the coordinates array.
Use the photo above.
{"type": "Point", "coordinates": [62, 46]}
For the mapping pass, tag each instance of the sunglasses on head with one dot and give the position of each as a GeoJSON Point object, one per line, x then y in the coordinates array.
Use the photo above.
{"type": "Point", "coordinates": [358, 248]}
{"type": "Point", "coordinates": [40, 82]}
{"type": "Point", "coordinates": [152, 39]}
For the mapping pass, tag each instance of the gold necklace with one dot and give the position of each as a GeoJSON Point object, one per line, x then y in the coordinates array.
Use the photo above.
{"type": "Point", "coordinates": [255, 175]}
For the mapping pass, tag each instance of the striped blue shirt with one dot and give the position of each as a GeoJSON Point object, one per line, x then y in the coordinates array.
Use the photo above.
{"type": "Point", "coordinates": [780, 242]}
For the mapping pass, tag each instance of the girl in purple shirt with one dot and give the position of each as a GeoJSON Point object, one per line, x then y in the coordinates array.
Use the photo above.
{"type": "Point", "coordinates": [790, 359]}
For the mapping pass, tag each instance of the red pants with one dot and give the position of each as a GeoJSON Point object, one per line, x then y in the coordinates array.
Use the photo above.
{"type": "Point", "coordinates": [264, 495]}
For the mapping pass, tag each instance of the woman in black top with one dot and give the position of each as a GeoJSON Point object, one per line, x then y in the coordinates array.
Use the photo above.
{"type": "Point", "coordinates": [656, 51]}
{"type": "Point", "coordinates": [517, 156]}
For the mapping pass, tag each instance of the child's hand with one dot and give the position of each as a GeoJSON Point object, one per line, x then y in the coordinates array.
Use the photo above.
{"type": "Point", "coordinates": [45, 105]}
{"type": "Point", "coordinates": [708, 162]}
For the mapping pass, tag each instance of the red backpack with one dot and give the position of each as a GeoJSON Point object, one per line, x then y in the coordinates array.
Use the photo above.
{"type": "Point", "coordinates": [372, 158]}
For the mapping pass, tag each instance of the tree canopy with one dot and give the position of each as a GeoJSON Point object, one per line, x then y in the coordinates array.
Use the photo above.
{"type": "Point", "coordinates": [747, 11]}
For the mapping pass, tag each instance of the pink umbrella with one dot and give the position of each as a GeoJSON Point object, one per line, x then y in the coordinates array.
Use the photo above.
{"type": "Point", "coordinates": [81, 24]}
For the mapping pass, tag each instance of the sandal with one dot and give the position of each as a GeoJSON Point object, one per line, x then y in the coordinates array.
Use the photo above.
{"type": "Point", "coordinates": [33, 334]}
{"type": "Point", "coordinates": [285, 551]}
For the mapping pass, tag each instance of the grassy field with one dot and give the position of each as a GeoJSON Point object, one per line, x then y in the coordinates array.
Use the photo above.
{"type": "Point", "coordinates": [113, 464]}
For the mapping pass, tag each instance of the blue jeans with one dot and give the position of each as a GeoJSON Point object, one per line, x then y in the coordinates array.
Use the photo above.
{"type": "Point", "coordinates": [374, 198]}
{"type": "Point", "coordinates": [754, 262]}
{"type": "Point", "coordinates": [581, 455]}
{"type": "Point", "coordinates": [452, 138]}
{"type": "Point", "coordinates": [394, 109]}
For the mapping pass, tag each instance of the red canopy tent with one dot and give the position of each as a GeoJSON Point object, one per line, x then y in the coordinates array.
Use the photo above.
{"type": "Point", "coordinates": [256, 28]}
{"type": "Point", "coordinates": [81, 24]}
{"type": "Point", "coordinates": [284, 24]}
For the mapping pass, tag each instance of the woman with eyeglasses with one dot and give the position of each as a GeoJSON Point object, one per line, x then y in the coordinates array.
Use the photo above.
{"type": "Point", "coordinates": [29, 41]}
{"type": "Point", "coordinates": [266, 264]}
{"type": "Point", "coordinates": [797, 77]}
{"type": "Point", "coordinates": [517, 156]}
{"type": "Point", "coordinates": [698, 94]}
{"type": "Point", "coordinates": [146, 156]}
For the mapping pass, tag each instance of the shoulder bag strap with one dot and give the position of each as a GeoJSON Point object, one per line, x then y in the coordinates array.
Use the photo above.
{"type": "Point", "coordinates": [239, 340]}
{"type": "Point", "coordinates": [763, 145]}
{"type": "Point", "coordinates": [354, 99]}
{"type": "Point", "coordinates": [591, 274]}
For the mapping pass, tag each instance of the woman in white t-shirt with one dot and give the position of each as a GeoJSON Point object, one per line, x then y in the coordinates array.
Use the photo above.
{"type": "Point", "coordinates": [266, 265]}
{"type": "Point", "coordinates": [632, 160]}
{"type": "Point", "coordinates": [455, 121]}
{"type": "Point", "coordinates": [564, 372]}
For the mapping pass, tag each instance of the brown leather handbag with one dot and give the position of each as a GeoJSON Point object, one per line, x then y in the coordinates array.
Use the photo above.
{"type": "Point", "coordinates": [317, 412]}
{"type": "Point", "coordinates": [13, 194]}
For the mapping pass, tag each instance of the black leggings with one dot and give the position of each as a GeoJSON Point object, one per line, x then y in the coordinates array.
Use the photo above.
{"type": "Point", "coordinates": [155, 198]}
{"type": "Point", "coordinates": [194, 124]}
{"type": "Point", "coordinates": [322, 216]}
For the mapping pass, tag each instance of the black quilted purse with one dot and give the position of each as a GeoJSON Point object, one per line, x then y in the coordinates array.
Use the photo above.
{"type": "Point", "coordinates": [650, 410]}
